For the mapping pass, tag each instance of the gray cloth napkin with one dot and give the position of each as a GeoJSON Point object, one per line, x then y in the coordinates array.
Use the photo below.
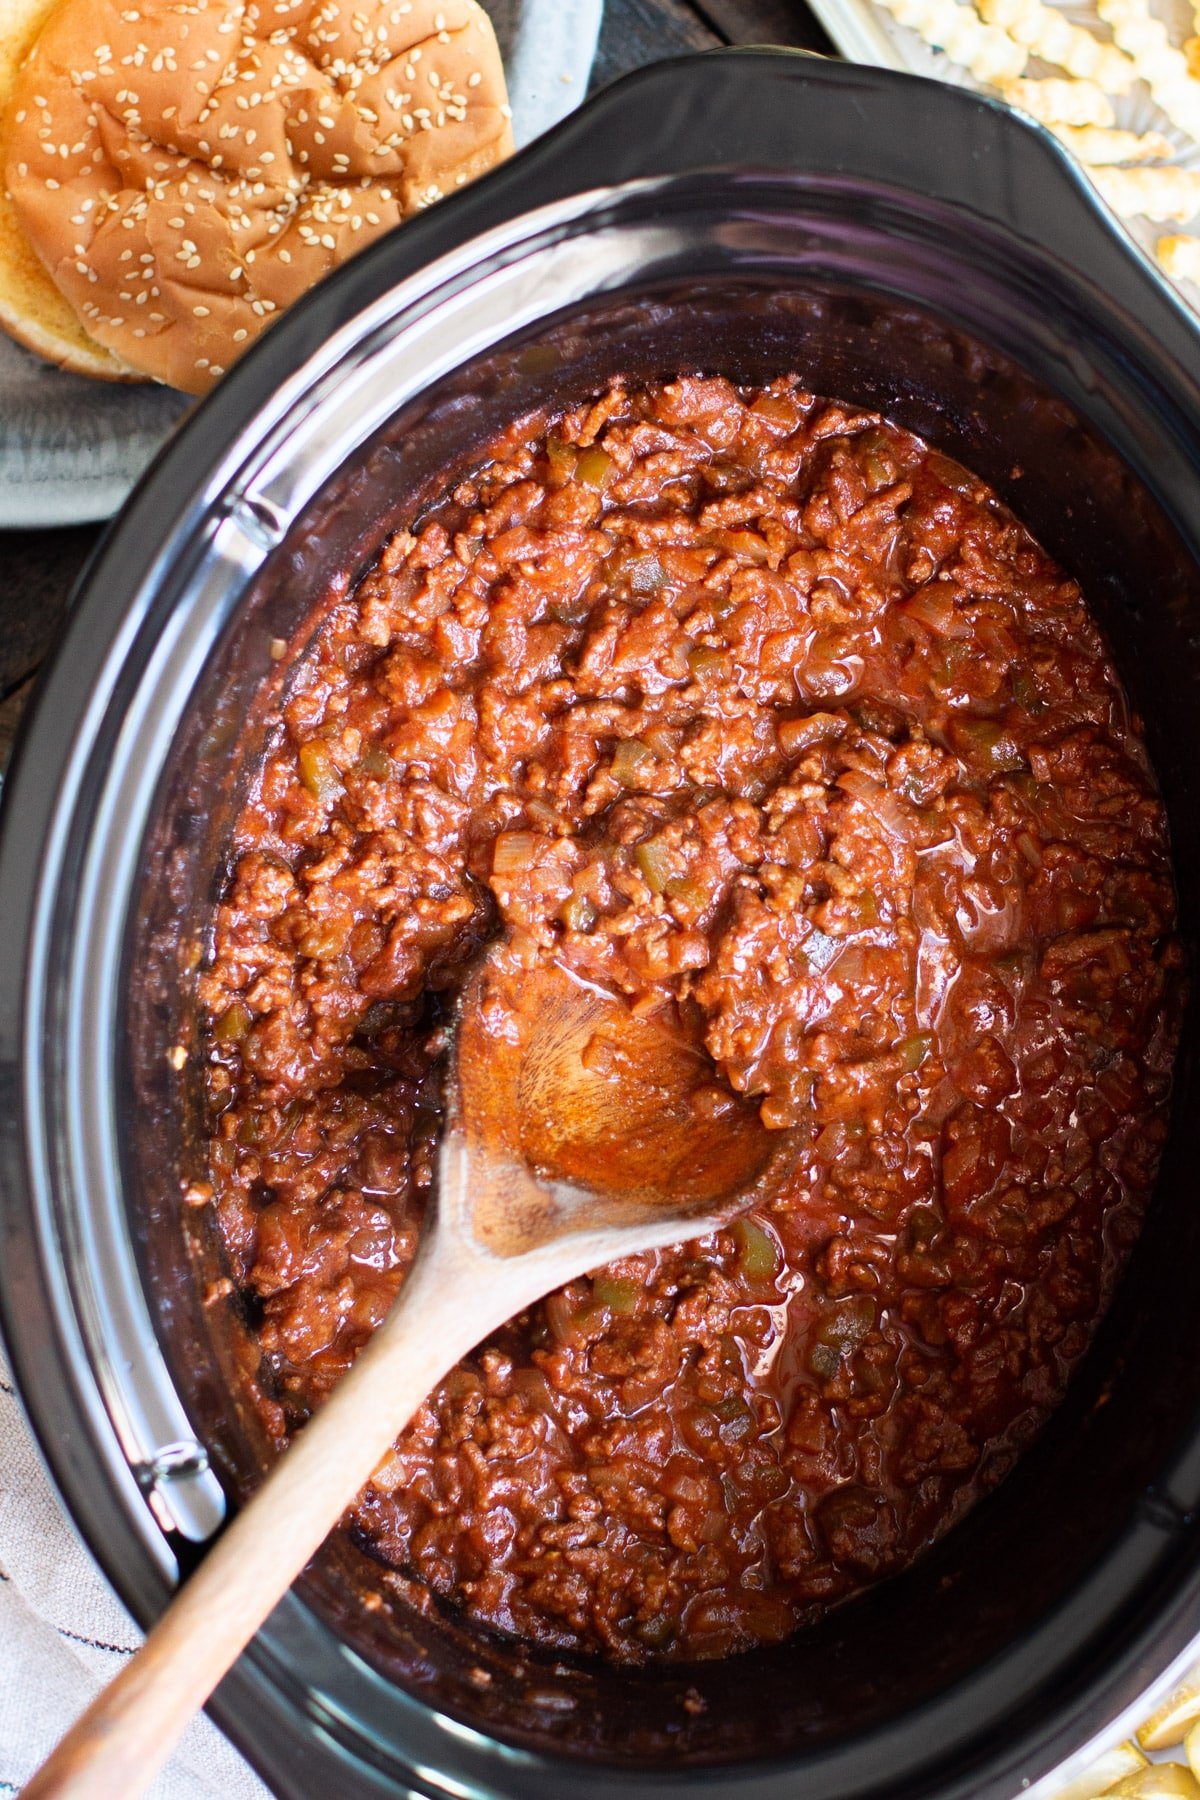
{"type": "Point", "coordinates": [63, 1634]}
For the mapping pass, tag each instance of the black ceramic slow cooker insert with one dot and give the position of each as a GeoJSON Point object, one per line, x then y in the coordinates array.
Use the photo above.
{"type": "Point", "coordinates": [901, 245]}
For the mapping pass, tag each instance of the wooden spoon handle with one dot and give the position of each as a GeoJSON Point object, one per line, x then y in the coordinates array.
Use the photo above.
{"type": "Point", "coordinates": [130, 1729]}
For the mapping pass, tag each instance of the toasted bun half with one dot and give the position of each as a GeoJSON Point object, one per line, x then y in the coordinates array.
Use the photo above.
{"type": "Point", "coordinates": [185, 169]}
{"type": "Point", "coordinates": [31, 308]}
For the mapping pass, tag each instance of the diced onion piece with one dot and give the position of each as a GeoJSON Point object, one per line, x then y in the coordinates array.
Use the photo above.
{"type": "Point", "coordinates": [513, 852]}
{"type": "Point", "coordinates": [796, 735]}
{"type": "Point", "coordinates": [647, 575]}
{"type": "Point", "coordinates": [543, 815]}
{"type": "Point", "coordinates": [571, 1318]}
{"type": "Point", "coordinates": [1123, 1759]}
{"type": "Point", "coordinates": [661, 739]}
{"type": "Point", "coordinates": [777, 409]}
{"type": "Point", "coordinates": [879, 800]}
{"type": "Point", "coordinates": [748, 545]}
{"type": "Point", "coordinates": [1171, 1722]}
{"type": "Point", "coordinates": [936, 607]}
{"type": "Point", "coordinates": [832, 1140]}
{"type": "Point", "coordinates": [819, 949]}
{"type": "Point", "coordinates": [829, 672]}
{"type": "Point", "coordinates": [632, 762]}
{"type": "Point", "coordinates": [389, 1473]}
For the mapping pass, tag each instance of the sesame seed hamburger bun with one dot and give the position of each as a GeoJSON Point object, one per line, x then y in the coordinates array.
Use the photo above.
{"type": "Point", "coordinates": [31, 308]}
{"type": "Point", "coordinates": [185, 169]}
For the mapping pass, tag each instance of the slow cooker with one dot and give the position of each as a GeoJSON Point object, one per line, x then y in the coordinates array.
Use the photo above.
{"type": "Point", "coordinates": [904, 246]}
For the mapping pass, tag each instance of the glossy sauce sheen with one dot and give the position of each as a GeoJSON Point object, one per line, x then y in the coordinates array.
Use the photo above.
{"type": "Point", "coordinates": [748, 698]}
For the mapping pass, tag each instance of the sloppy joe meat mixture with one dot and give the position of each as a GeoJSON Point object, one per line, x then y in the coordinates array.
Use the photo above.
{"type": "Point", "coordinates": [748, 699]}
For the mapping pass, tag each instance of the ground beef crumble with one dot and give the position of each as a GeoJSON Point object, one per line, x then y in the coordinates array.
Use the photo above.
{"type": "Point", "coordinates": [754, 699]}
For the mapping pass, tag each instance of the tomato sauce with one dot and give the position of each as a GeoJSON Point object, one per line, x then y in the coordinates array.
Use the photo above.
{"type": "Point", "coordinates": [749, 699]}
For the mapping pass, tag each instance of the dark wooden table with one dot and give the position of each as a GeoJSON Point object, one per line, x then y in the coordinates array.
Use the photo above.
{"type": "Point", "coordinates": [38, 568]}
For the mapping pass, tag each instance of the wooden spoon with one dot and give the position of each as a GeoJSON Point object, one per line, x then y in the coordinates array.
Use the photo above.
{"type": "Point", "coordinates": [578, 1129]}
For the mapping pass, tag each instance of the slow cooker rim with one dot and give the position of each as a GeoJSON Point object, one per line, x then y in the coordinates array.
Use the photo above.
{"type": "Point", "coordinates": [23, 1335]}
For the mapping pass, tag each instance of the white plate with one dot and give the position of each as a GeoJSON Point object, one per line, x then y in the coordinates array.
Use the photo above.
{"type": "Point", "coordinates": [865, 33]}
{"type": "Point", "coordinates": [71, 449]}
